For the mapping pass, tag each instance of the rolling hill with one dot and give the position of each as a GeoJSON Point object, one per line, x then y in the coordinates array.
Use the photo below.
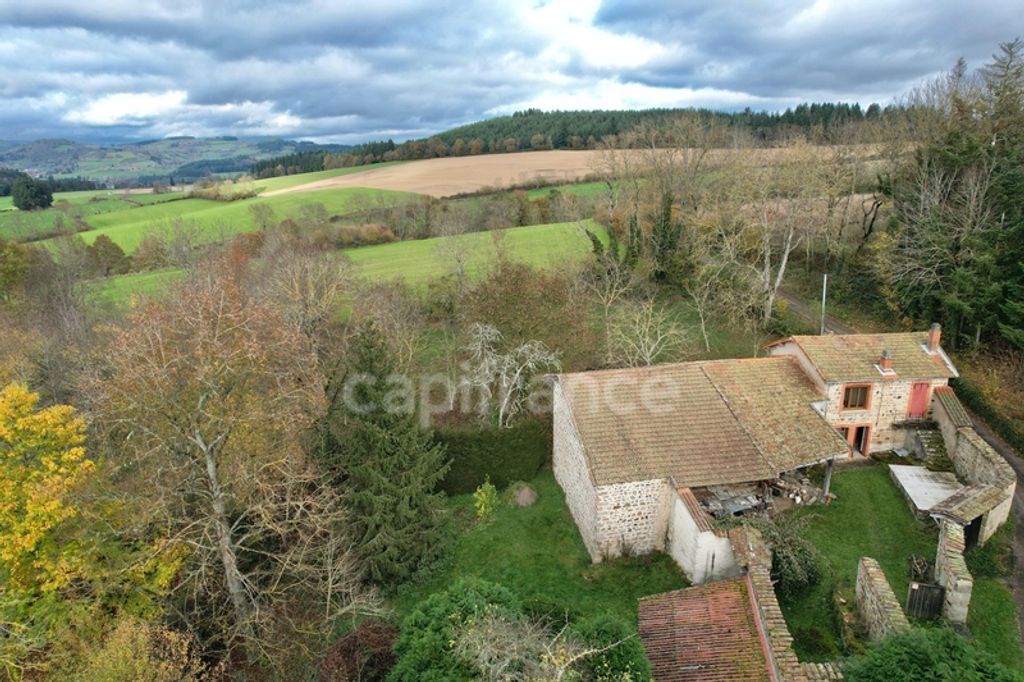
{"type": "Point", "coordinates": [183, 158]}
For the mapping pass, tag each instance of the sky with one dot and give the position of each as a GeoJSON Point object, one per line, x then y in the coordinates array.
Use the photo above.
{"type": "Point", "coordinates": [350, 71]}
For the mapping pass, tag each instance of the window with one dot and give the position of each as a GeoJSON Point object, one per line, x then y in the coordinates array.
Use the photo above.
{"type": "Point", "coordinates": [856, 397]}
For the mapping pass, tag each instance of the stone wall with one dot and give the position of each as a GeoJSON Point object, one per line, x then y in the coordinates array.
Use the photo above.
{"type": "Point", "coordinates": [703, 554]}
{"type": "Point", "coordinates": [889, 403]}
{"type": "Point", "coordinates": [976, 463]}
{"type": "Point", "coordinates": [573, 474]}
{"type": "Point", "coordinates": [951, 572]}
{"type": "Point", "coordinates": [632, 518]}
{"type": "Point", "coordinates": [877, 603]}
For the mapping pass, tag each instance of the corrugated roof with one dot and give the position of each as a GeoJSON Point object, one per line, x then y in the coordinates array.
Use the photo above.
{"type": "Point", "coordinates": [700, 423]}
{"type": "Point", "coordinates": [706, 633]}
{"type": "Point", "coordinates": [853, 357]}
{"type": "Point", "coordinates": [954, 408]}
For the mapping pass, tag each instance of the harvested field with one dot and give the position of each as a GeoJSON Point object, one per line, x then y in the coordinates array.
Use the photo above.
{"type": "Point", "coordinates": [450, 176]}
{"type": "Point", "coordinates": [463, 174]}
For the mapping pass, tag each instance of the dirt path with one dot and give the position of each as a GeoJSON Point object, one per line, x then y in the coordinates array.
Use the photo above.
{"type": "Point", "coordinates": [805, 311]}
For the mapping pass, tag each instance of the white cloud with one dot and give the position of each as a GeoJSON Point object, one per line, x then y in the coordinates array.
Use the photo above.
{"type": "Point", "coordinates": [128, 108]}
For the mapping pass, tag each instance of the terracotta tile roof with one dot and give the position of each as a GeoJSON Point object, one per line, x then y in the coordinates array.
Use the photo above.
{"type": "Point", "coordinates": [700, 423]}
{"type": "Point", "coordinates": [772, 401]}
{"type": "Point", "coordinates": [697, 513]}
{"type": "Point", "coordinates": [954, 408]}
{"type": "Point", "coordinates": [707, 633]}
{"type": "Point", "coordinates": [852, 357]}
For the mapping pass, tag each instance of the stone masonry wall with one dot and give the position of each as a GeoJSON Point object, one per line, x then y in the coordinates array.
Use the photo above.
{"type": "Point", "coordinates": [977, 463]}
{"type": "Point", "coordinates": [632, 518]}
{"type": "Point", "coordinates": [890, 400]}
{"type": "Point", "coordinates": [877, 602]}
{"type": "Point", "coordinates": [951, 572]}
{"type": "Point", "coordinates": [572, 473]}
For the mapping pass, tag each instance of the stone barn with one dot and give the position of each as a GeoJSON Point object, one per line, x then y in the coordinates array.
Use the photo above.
{"type": "Point", "coordinates": [643, 453]}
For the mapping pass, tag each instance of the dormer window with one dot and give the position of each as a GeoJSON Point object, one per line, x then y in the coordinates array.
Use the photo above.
{"type": "Point", "coordinates": [856, 396]}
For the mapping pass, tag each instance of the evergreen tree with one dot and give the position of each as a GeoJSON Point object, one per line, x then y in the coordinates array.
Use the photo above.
{"type": "Point", "coordinates": [29, 194]}
{"type": "Point", "coordinates": [665, 235]}
{"type": "Point", "coordinates": [107, 257]}
{"type": "Point", "coordinates": [388, 468]}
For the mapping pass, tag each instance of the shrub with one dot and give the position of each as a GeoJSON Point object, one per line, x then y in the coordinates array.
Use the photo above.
{"type": "Point", "coordinates": [927, 655]}
{"type": "Point", "coordinates": [503, 455]}
{"type": "Point", "coordinates": [624, 661]}
{"type": "Point", "coordinates": [363, 654]}
{"type": "Point", "coordinates": [428, 635]}
{"type": "Point", "coordinates": [796, 563]}
{"type": "Point", "coordinates": [485, 499]}
{"type": "Point", "coordinates": [137, 651]}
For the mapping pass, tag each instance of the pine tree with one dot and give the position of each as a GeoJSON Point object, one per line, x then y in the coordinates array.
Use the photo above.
{"type": "Point", "coordinates": [388, 467]}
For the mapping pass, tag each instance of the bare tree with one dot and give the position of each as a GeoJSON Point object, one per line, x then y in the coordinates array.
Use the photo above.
{"type": "Point", "coordinates": [205, 398]}
{"type": "Point", "coordinates": [519, 649]}
{"type": "Point", "coordinates": [304, 286]}
{"type": "Point", "coordinates": [398, 317]}
{"type": "Point", "coordinates": [644, 334]}
{"type": "Point", "coordinates": [501, 376]}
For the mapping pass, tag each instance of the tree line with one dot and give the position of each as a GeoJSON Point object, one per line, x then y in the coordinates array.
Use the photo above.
{"type": "Point", "coordinates": [534, 129]}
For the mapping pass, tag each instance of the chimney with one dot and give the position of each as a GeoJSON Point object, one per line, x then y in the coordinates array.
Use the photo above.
{"type": "Point", "coordinates": [934, 334]}
{"type": "Point", "coordinates": [885, 362]}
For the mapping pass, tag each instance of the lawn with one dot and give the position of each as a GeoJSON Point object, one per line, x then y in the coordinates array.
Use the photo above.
{"type": "Point", "coordinates": [537, 553]}
{"type": "Point", "coordinates": [869, 517]}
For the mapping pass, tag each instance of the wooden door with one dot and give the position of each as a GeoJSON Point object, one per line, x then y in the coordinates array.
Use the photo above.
{"type": "Point", "coordinates": [919, 394]}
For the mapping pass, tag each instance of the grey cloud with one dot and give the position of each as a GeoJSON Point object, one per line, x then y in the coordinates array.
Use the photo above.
{"type": "Point", "coordinates": [352, 71]}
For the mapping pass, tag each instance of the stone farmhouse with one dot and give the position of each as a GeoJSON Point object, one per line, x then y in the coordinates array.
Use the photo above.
{"type": "Point", "coordinates": [648, 456]}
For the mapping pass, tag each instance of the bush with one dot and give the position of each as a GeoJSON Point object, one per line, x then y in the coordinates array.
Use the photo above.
{"type": "Point", "coordinates": [427, 637]}
{"type": "Point", "coordinates": [796, 563]}
{"type": "Point", "coordinates": [137, 651]}
{"type": "Point", "coordinates": [503, 455]}
{"type": "Point", "coordinates": [625, 661]}
{"type": "Point", "coordinates": [927, 655]}
{"type": "Point", "coordinates": [363, 654]}
{"type": "Point", "coordinates": [485, 499]}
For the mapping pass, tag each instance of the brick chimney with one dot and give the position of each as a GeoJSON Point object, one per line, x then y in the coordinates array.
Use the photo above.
{"type": "Point", "coordinates": [885, 362]}
{"type": "Point", "coordinates": [934, 335]}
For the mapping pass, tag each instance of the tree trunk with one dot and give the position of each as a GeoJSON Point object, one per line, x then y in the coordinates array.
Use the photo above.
{"type": "Point", "coordinates": [226, 546]}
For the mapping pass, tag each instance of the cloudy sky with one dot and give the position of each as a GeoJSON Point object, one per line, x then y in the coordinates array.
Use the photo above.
{"type": "Point", "coordinates": [351, 70]}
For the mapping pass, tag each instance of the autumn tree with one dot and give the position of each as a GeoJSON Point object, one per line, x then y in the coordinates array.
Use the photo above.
{"type": "Point", "coordinates": [107, 257]}
{"type": "Point", "coordinates": [205, 397]}
{"type": "Point", "coordinates": [42, 465]}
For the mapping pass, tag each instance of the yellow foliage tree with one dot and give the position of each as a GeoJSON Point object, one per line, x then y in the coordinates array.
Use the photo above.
{"type": "Point", "coordinates": [42, 462]}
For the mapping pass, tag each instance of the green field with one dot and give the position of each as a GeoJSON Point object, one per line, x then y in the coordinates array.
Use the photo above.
{"type": "Point", "coordinates": [219, 219]}
{"type": "Point", "coordinates": [585, 190]}
{"type": "Point", "coordinates": [538, 554]}
{"type": "Point", "coordinates": [414, 262]}
{"type": "Point", "coordinates": [126, 218]}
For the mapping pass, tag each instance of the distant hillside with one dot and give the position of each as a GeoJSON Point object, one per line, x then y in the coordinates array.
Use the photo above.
{"type": "Point", "coordinates": [534, 129]}
{"type": "Point", "coordinates": [182, 158]}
